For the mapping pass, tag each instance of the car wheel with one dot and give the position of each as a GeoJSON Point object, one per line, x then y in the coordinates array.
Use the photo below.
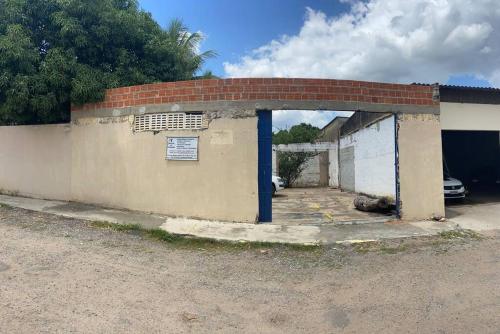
{"type": "Point", "coordinates": [274, 190]}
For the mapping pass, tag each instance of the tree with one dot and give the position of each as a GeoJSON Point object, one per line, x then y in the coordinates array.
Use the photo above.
{"type": "Point", "coordinates": [301, 133]}
{"type": "Point", "coordinates": [291, 164]}
{"type": "Point", "coordinates": [57, 52]}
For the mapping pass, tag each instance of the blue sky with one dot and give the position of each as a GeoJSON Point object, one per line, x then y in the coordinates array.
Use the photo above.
{"type": "Point", "coordinates": [424, 41]}
{"type": "Point", "coordinates": [235, 27]}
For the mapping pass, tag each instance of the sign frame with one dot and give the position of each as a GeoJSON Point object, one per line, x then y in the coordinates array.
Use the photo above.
{"type": "Point", "coordinates": [189, 154]}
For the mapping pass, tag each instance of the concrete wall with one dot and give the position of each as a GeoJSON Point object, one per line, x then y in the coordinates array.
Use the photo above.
{"type": "Point", "coordinates": [347, 169]}
{"type": "Point", "coordinates": [333, 167]}
{"type": "Point", "coordinates": [420, 166]}
{"type": "Point", "coordinates": [310, 176]}
{"type": "Point", "coordinates": [275, 162]}
{"type": "Point", "coordinates": [320, 170]}
{"type": "Point", "coordinates": [467, 116]}
{"type": "Point", "coordinates": [102, 161]}
{"type": "Point", "coordinates": [368, 159]}
{"type": "Point", "coordinates": [114, 167]}
{"type": "Point", "coordinates": [35, 161]}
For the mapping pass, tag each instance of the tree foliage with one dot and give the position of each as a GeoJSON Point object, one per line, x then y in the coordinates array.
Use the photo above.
{"type": "Point", "coordinates": [291, 164]}
{"type": "Point", "coordinates": [54, 52]}
{"type": "Point", "coordinates": [301, 133]}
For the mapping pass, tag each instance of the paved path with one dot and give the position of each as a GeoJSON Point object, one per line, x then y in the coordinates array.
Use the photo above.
{"type": "Point", "coordinates": [298, 234]}
{"type": "Point", "coordinates": [319, 206]}
{"type": "Point", "coordinates": [61, 275]}
{"type": "Point", "coordinates": [478, 217]}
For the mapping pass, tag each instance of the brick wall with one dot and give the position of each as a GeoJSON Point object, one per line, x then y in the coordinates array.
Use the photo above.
{"type": "Point", "coordinates": [264, 89]}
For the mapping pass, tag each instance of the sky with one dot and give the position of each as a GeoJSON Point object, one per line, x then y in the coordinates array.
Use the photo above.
{"type": "Point", "coordinates": [447, 41]}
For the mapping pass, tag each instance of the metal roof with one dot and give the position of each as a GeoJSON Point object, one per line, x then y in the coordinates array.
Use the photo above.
{"type": "Point", "coordinates": [467, 94]}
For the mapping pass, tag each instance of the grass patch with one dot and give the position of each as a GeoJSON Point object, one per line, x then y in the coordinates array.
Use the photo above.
{"type": "Point", "coordinates": [162, 235]}
{"type": "Point", "coordinates": [393, 250]}
{"type": "Point", "coordinates": [199, 243]}
{"type": "Point", "coordinates": [116, 227]}
{"type": "Point", "coordinates": [460, 234]}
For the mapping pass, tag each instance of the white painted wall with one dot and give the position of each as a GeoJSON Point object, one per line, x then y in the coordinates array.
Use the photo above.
{"type": "Point", "coordinates": [333, 168]}
{"type": "Point", "coordinates": [274, 162]}
{"type": "Point", "coordinates": [374, 158]}
{"type": "Point", "coordinates": [468, 116]}
{"type": "Point", "coordinates": [304, 147]}
{"type": "Point", "coordinates": [310, 176]}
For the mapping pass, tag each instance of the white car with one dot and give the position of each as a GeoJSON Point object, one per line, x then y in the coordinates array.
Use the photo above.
{"type": "Point", "coordinates": [278, 184]}
{"type": "Point", "coordinates": [453, 188]}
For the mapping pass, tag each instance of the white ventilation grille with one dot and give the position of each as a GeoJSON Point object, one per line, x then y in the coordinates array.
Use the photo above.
{"type": "Point", "coordinates": [168, 121]}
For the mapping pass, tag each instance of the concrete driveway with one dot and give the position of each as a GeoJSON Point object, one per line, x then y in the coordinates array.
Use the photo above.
{"type": "Point", "coordinates": [477, 217]}
{"type": "Point", "coordinates": [322, 205]}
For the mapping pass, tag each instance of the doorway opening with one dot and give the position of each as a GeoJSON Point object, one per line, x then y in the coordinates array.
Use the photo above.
{"type": "Point", "coordinates": [473, 159]}
{"type": "Point", "coordinates": [306, 169]}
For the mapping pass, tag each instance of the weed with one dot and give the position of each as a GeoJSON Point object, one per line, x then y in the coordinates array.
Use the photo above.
{"type": "Point", "coordinates": [194, 242]}
{"type": "Point", "coordinates": [460, 234]}
{"type": "Point", "coordinates": [162, 235]}
{"type": "Point", "coordinates": [6, 206]}
{"type": "Point", "coordinates": [116, 227]}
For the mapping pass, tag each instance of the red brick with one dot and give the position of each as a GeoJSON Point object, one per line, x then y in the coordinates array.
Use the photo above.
{"type": "Point", "coordinates": [264, 88]}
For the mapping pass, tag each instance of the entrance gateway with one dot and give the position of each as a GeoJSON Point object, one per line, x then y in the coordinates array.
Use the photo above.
{"type": "Point", "coordinates": [113, 152]}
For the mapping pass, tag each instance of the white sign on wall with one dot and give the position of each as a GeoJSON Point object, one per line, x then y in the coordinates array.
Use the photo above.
{"type": "Point", "coordinates": [182, 148]}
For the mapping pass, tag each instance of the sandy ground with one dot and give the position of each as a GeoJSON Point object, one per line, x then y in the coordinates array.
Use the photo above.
{"type": "Point", "coordinates": [61, 275]}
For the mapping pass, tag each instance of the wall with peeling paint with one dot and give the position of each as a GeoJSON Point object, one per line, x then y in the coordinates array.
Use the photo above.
{"type": "Point", "coordinates": [115, 167]}
{"type": "Point", "coordinates": [102, 161]}
{"type": "Point", "coordinates": [420, 166]}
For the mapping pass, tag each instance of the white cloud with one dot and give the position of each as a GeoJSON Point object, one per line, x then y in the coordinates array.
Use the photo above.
{"type": "Point", "coordinates": [387, 40]}
{"type": "Point", "coordinates": [284, 119]}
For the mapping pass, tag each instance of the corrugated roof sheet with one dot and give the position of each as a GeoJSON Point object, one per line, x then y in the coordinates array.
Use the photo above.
{"type": "Point", "coordinates": [467, 94]}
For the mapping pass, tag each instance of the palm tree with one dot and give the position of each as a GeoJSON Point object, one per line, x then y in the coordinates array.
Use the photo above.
{"type": "Point", "coordinates": [187, 46]}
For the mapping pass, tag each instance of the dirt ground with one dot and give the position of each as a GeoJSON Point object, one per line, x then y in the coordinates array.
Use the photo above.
{"type": "Point", "coordinates": [61, 275]}
{"type": "Point", "coordinates": [320, 205]}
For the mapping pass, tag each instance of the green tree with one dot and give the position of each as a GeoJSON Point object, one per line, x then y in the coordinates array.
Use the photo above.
{"type": "Point", "coordinates": [291, 164]}
{"type": "Point", "coordinates": [301, 133]}
{"type": "Point", "coordinates": [57, 52]}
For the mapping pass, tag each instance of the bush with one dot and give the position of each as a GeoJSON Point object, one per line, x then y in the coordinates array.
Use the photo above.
{"type": "Point", "coordinates": [291, 164]}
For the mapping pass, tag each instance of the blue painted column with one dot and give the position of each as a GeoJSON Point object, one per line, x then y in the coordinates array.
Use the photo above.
{"type": "Point", "coordinates": [265, 133]}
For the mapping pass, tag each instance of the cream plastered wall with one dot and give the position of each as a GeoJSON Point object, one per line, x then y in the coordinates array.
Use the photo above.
{"type": "Point", "coordinates": [420, 166]}
{"type": "Point", "coordinates": [115, 167]}
{"type": "Point", "coordinates": [467, 116]}
{"type": "Point", "coordinates": [35, 161]}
